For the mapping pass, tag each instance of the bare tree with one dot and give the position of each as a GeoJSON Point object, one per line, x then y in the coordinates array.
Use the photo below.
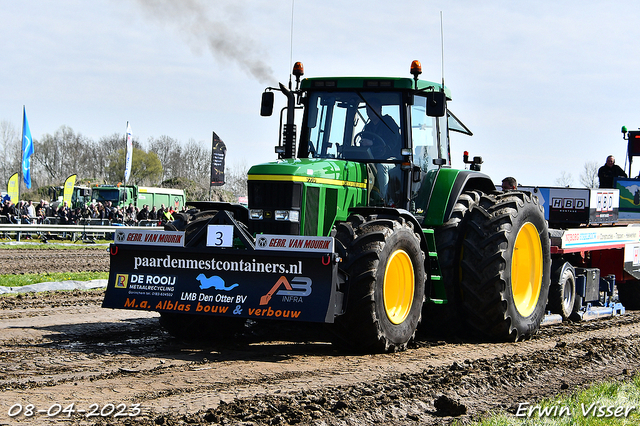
{"type": "Point", "coordinates": [589, 176]}
{"type": "Point", "coordinates": [62, 154]}
{"type": "Point", "coordinates": [184, 163]}
{"type": "Point", "coordinates": [67, 152]}
{"type": "Point", "coordinates": [10, 148]}
{"type": "Point", "coordinates": [236, 179]}
{"type": "Point", "coordinates": [197, 159]}
{"type": "Point", "coordinates": [168, 151]}
{"type": "Point", "coordinates": [565, 179]}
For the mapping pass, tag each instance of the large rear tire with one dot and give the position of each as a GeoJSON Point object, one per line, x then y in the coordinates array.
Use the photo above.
{"type": "Point", "coordinates": [445, 319]}
{"type": "Point", "coordinates": [506, 265]}
{"type": "Point", "coordinates": [384, 266]}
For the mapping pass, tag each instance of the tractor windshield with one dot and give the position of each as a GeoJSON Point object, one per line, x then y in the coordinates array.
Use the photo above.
{"type": "Point", "coordinates": [373, 128]}
{"type": "Point", "coordinates": [111, 194]}
{"type": "Point", "coordinates": [359, 126]}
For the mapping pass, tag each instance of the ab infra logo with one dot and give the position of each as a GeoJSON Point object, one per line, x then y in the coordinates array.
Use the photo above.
{"type": "Point", "coordinates": [296, 290]}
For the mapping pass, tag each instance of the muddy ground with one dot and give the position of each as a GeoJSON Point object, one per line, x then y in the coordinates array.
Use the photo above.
{"type": "Point", "coordinates": [120, 367]}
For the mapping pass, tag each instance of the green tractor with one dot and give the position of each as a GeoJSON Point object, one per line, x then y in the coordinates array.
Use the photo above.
{"type": "Point", "coordinates": [409, 242]}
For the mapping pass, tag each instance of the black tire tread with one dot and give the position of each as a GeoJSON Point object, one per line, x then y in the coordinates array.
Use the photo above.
{"type": "Point", "coordinates": [360, 242]}
{"type": "Point", "coordinates": [446, 320]}
{"type": "Point", "coordinates": [485, 282]}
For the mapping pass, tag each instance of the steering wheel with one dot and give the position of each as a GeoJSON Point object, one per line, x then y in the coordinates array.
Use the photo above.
{"type": "Point", "coordinates": [369, 135]}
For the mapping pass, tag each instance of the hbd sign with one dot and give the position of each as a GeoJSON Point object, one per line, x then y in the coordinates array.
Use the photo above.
{"type": "Point", "coordinates": [568, 203]}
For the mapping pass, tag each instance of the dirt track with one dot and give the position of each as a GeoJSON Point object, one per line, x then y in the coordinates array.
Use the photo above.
{"type": "Point", "coordinates": [90, 259]}
{"type": "Point", "coordinates": [62, 348]}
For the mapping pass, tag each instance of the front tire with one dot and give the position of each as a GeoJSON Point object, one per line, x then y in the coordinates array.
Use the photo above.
{"type": "Point", "coordinates": [384, 265]}
{"type": "Point", "coordinates": [506, 266]}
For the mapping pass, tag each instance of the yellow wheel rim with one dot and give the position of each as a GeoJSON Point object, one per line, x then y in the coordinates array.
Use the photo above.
{"type": "Point", "coordinates": [526, 269]}
{"type": "Point", "coordinates": [398, 287]}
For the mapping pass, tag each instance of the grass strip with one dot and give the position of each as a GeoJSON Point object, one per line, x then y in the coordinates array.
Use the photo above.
{"type": "Point", "coordinates": [19, 280]}
{"type": "Point", "coordinates": [69, 245]}
{"type": "Point", "coordinates": [603, 404]}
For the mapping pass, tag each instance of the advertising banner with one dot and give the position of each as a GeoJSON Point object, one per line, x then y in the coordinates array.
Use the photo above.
{"type": "Point", "coordinates": [67, 193]}
{"type": "Point", "coordinates": [13, 188]}
{"type": "Point", "coordinates": [235, 283]}
{"type": "Point", "coordinates": [595, 238]}
{"type": "Point", "coordinates": [218, 153]}
{"type": "Point", "coordinates": [632, 259]}
{"type": "Point", "coordinates": [577, 206]}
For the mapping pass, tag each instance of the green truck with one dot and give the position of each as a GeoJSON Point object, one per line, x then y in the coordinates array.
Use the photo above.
{"type": "Point", "coordinates": [361, 223]}
{"type": "Point", "coordinates": [139, 196]}
{"type": "Point", "coordinates": [80, 196]}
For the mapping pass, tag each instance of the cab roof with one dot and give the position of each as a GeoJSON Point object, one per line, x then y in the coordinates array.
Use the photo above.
{"type": "Point", "coordinates": [369, 83]}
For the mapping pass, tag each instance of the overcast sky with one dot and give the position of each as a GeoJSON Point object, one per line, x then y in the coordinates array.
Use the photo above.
{"type": "Point", "coordinates": [545, 86]}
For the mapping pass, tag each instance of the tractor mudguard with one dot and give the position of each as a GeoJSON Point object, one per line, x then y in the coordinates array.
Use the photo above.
{"type": "Point", "coordinates": [240, 212]}
{"type": "Point", "coordinates": [393, 213]}
{"type": "Point", "coordinates": [446, 187]}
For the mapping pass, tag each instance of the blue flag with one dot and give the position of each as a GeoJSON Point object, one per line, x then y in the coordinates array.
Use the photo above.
{"type": "Point", "coordinates": [27, 149]}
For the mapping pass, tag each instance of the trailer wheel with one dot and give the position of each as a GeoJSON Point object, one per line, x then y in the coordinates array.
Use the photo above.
{"type": "Point", "coordinates": [384, 265]}
{"type": "Point", "coordinates": [629, 294]}
{"type": "Point", "coordinates": [505, 269]}
{"type": "Point", "coordinates": [445, 319]}
{"type": "Point", "coordinates": [562, 291]}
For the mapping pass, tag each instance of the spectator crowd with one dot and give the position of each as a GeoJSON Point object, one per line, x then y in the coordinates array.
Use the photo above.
{"type": "Point", "coordinates": [61, 213]}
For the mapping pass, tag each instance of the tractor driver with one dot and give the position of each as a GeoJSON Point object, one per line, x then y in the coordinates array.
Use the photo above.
{"type": "Point", "coordinates": [382, 135]}
{"type": "Point", "coordinates": [380, 128]}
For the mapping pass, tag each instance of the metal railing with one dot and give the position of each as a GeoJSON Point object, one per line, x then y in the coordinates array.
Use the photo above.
{"type": "Point", "coordinates": [48, 231]}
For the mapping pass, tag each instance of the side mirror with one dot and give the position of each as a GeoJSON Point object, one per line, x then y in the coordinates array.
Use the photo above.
{"type": "Point", "coordinates": [416, 174]}
{"type": "Point", "coordinates": [439, 162]}
{"type": "Point", "coordinates": [312, 116]}
{"type": "Point", "coordinates": [266, 107]}
{"type": "Point", "coordinates": [436, 104]}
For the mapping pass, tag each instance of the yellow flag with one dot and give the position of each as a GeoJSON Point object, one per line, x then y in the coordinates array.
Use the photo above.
{"type": "Point", "coordinates": [68, 189]}
{"type": "Point", "coordinates": [13, 189]}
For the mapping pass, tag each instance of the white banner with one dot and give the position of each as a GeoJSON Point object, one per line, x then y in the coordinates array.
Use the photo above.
{"type": "Point", "coordinates": [150, 238]}
{"type": "Point", "coordinates": [294, 243]}
{"type": "Point", "coordinates": [127, 167]}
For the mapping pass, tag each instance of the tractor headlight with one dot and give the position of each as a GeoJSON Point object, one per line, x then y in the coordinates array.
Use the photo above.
{"type": "Point", "coordinates": [256, 214]}
{"type": "Point", "coordinates": [290, 215]}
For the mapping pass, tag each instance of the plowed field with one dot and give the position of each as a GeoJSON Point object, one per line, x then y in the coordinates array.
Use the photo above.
{"type": "Point", "coordinates": [65, 360]}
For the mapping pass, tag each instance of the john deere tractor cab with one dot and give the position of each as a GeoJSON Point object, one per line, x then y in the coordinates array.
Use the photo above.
{"type": "Point", "coordinates": [386, 134]}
